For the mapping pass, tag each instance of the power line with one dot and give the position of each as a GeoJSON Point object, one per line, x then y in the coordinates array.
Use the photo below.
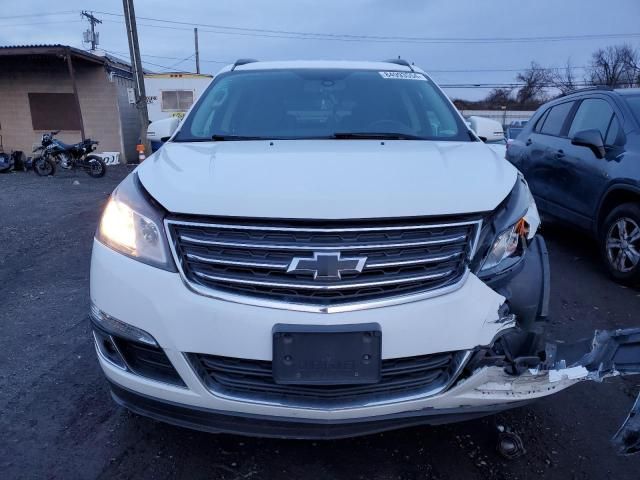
{"type": "Point", "coordinates": [9, 25]}
{"type": "Point", "coordinates": [511, 69]}
{"type": "Point", "coordinates": [503, 85]}
{"type": "Point", "coordinates": [258, 32]}
{"type": "Point", "coordinates": [430, 71]}
{"type": "Point", "coordinates": [223, 62]}
{"type": "Point", "coordinates": [117, 56]}
{"type": "Point", "coordinates": [366, 39]}
{"type": "Point", "coordinates": [40, 14]}
{"type": "Point", "coordinates": [181, 61]}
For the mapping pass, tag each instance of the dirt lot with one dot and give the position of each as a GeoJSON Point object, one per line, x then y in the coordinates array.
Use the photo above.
{"type": "Point", "coordinates": [58, 421]}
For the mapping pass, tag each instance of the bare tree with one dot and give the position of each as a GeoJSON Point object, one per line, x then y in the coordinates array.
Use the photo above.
{"type": "Point", "coordinates": [499, 96]}
{"type": "Point", "coordinates": [535, 80]}
{"type": "Point", "coordinates": [564, 79]}
{"type": "Point", "coordinates": [615, 66]}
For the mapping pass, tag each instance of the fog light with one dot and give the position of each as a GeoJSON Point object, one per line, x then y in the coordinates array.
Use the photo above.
{"type": "Point", "coordinates": [119, 328]}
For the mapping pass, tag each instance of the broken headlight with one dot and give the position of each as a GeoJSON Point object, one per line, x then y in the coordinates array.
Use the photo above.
{"type": "Point", "coordinates": [131, 224]}
{"type": "Point", "coordinates": [514, 224]}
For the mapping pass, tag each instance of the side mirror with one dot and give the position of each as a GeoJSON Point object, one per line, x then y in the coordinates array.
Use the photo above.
{"type": "Point", "coordinates": [591, 139]}
{"type": "Point", "coordinates": [161, 130]}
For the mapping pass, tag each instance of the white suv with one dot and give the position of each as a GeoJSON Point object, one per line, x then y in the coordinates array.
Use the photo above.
{"type": "Point", "coordinates": [322, 249]}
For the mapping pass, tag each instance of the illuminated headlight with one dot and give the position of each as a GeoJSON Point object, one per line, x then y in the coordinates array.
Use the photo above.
{"type": "Point", "coordinates": [513, 241]}
{"type": "Point", "coordinates": [132, 226]}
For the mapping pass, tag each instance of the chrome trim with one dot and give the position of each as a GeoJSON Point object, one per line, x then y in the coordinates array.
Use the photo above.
{"type": "Point", "coordinates": [347, 405]}
{"type": "Point", "coordinates": [321, 230]}
{"type": "Point", "coordinates": [236, 263]}
{"type": "Point", "coordinates": [322, 248]}
{"type": "Point", "coordinates": [418, 261]}
{"type": "Point", "coordinates": [315, 308]}
{"type": "Point", "coordinates": [326, 287]}
{"type": "Point", "coordinates": [105, 358]}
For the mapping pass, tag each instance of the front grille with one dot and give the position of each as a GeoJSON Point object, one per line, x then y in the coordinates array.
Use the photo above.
{"type": "Point", "coordinates": [252, 379]}
{"type": "Point", "coordinates": [251, 257]}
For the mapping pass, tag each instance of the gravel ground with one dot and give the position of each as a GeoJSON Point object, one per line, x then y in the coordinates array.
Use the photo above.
{"type": "Point", "coordinates": [57, 419]}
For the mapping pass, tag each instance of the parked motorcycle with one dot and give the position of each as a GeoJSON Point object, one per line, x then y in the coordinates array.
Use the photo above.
{"type": "Point", "coordinates": [55, 152]}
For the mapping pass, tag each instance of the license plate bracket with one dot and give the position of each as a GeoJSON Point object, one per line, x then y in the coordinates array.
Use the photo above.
{"type": "Point", "coordinates": [327, 354]}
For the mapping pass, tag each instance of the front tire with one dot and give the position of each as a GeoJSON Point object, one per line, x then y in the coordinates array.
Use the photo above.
{"type": "Point", "coordinates": [44, 166]}
{"type": "Point", "coordinates": [95, 166]}
{"type": "Point", "coordinates": [620, 243]}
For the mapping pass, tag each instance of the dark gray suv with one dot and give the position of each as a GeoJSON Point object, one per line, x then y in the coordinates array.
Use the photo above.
{"type": "Point", "coordinates": [580, 154]}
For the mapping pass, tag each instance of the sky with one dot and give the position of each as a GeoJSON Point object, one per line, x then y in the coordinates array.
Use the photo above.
{"type": "Point", "coordinates": [456, 41]}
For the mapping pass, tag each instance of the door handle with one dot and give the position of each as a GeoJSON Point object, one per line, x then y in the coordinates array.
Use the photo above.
{"type": "Point", "coordinates": [560, 154]}
{"type": "Point", "coordinates": [529, 142]}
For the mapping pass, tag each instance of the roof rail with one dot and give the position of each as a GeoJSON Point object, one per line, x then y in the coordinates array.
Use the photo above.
{"type": "Point", "coordinates": [587, 89]}
{"type": "Point", "coordinates": [242, 61]}
{"type": "Point", "coordinates": [400, 61]}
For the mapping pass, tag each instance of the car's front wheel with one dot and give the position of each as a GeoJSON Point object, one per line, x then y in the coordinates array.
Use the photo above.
{"type": "Point", "coordinates": [620, 243]}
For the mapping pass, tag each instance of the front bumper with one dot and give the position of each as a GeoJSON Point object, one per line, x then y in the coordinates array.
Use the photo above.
{"type": "Point", "coordinates": [183, 322]}
{"type": "Point", "coordinates": [254, 425]}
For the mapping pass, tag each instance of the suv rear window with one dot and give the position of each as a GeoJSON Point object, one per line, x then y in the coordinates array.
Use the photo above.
{"type": "Point", "coordinates": [320, 103]}
{"type": "Point", "coordinates": [555, 119]}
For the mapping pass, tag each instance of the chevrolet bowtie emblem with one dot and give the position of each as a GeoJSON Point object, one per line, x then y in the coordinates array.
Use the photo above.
{"type": "Point", "coordinates": [326, 266]}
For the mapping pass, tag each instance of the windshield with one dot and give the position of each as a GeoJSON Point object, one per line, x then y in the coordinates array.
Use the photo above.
{"type": "Point", "coordinates": [315, 103]}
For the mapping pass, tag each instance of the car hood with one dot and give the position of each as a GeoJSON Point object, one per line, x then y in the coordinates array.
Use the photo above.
{"type": "Point", "coordinates": [327, 179]}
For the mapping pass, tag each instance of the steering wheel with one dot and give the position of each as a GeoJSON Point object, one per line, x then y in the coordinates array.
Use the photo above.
{"type": "Point", "coordinates": [387, 125]}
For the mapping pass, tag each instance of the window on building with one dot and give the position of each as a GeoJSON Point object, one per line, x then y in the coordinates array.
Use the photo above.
{"type": "Point", "coordinates": [176, 100]}
{"type": "Point", "coordinates": [54, 111]}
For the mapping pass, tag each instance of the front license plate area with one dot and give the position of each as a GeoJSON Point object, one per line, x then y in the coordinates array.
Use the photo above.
{"type": "Point", "coordinates": [327, 354]}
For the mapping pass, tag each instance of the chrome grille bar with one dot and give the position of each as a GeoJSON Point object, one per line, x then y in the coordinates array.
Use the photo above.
{"type": "Point", "coordinates": [315, 247]}
{"type": "Point", "coordinates": [415, 261]}
{"type": "Point", "coordinates": [266, 228]}
{"type": "Point", "coordinates": [325, 287]}
{"type": "Point", "coordinates": [236, 263]}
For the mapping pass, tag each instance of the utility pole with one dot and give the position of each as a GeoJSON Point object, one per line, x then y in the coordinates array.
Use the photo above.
{"type": "Point", "coordinates": [138, 72]}
{"type": "Point", "coordinates": [93, 21]}
{"type": "Point", "coordinates": [195, 34]}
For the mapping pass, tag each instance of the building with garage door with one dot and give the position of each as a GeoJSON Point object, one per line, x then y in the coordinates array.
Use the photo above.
{"type": "Point", "coordinates": [56, 87]}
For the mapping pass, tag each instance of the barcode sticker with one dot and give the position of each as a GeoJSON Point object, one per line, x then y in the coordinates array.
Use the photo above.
{"type": "Point", "coordinates": [403, 76]}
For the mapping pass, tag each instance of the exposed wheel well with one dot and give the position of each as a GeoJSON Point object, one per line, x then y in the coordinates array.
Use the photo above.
{"type": "Point", "coordinates": [613, 199]}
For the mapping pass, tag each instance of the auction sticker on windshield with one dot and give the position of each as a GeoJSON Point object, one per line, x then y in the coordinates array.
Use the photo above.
{"type": "Point", "coordinates": [403, 76]}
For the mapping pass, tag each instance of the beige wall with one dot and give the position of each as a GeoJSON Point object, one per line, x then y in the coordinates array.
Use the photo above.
{"type": "Point", "coordinates": [21, 75]}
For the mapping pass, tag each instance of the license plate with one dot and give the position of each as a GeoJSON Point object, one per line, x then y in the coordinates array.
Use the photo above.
{"type": "Point", "coordinates": [327, 355]}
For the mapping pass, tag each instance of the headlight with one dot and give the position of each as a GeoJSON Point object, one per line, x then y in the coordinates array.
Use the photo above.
{"type": "Point", "coordinates": [504, 247]}
{"type": "Point", "coordinates": [521, 218]}
{"type": "Point", "coordinates": [132, 225]}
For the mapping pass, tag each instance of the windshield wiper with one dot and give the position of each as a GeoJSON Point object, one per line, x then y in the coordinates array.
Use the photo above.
{"type": "Point", "coordinates": [376, 136]}
{"type": "Point", "coordinates": [225, 138]}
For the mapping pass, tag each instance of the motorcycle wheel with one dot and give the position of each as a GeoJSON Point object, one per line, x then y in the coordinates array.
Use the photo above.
{"type": "Point", "coordinates": [44, 166]}
{"type": "Point", "coordinates": [95, 166]}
